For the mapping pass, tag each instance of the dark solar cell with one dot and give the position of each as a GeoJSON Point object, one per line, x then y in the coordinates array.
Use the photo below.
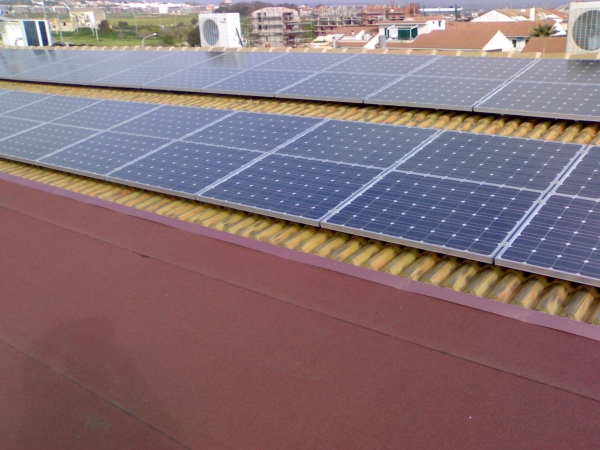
{"type": "Point", "coordinates": [554, 100]}
{"type": "Point", "coordinates": [47, 72]}
{"type": "Point", "coordinates": [89, 74]}
{"type": "Point", "coordinates": [358, 143]}
{"type": "Point", "coordinates": [561, 238]}
{"type": "Point", "coordinates": [10, 126]}
{"type": "Point", "coordinates": [257, 82]}
{"type": "Point", "coordinates": [15, 99]}
{"type": "Point", "coordinates": [105, 114]}
{"type": "Point", "coordinates": [337, 87]}
{"type": "Point", "coordinates": [138, 76]}
{"type": "Point", "coordinates": [584, 181]}
{"type": "Point", "coordinates": [105, 152]}
{"type": "Point", "coordinates": [20, 54]}
{"type": "Point", "coordinates": [425, 91]}
{"type": "Point", "coordinates": [92, 57]}
{"type": "Point", "coordinates": [9, 71]}
{"type": "Point", "coordinates": [292, 187]}
{"type": "Point", "coordinates": [436, 213]}
{"type": "Point", "coordinates": [253, 131]}
{"type": "Point", "coordinates": [240, 60]}
{"type": "Point", "coordinates": [41, 141]}
{"type": "Point", "coordinates": [474, 67]}
{"type": "Point", "coordinates": [305, 61]}
{"type": "Point", "coordinates": [172, 122]}
{"type": "Point", "coordinates": [137, 57]}
{"type": "Point", "coordinates": [565, 71]}
{"type": "Point", "coordinates": [185, 59]}
{"type": "Point", "coordinates": [52, 108]}
{"type": "Point", "coordinates": [193, 79]}
{"type": "Point", "coordinates": [522, 163]}
{"type": "Point", "coordinates": [185, 166]}
{"type": "Point", "coordinates": [382, 64]}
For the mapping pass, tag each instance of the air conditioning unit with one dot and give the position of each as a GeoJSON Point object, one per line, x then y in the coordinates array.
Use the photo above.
{"type": "Point", "coordinates": [220, 30]}
{"type": "Point", "coordinates": [24, 33]}
{"type": "Point", "coordinates": [584, 28]}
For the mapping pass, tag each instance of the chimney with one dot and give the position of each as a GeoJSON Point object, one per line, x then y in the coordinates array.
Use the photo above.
{"type": "Point", "coordinates": [532, 14]}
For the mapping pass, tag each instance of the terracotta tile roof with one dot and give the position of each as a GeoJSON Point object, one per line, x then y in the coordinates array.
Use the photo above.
{"type": "Point", "coordinates": [524, 14]}
{"type": "Point", "coordinates": [509, 29]}
{"type": "Point", "coordinates": [556, 44]}
{"type": "Point", "coordinates": [461, 39]}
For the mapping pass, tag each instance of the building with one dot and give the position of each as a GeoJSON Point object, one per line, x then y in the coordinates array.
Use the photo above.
{"type": "Point", "coordinates": [518, 15]}
{"type": "Point", "coordinates": [276, 27]}
{"type": "Point", "coordinates": [56, 25]}
{"type": "Point", "coordinates": [136, 319]}
{"type": "Point", "coordinates": [518, 32]}
{"type": "Point", "coordinates": [543, 45]}
{"type": "Point", "coordinates": [456, 40]}
{"type": "Point", "coordinates": [348, 37]}
{"type": "Point", "coordinates": [327, 18]}
{"type": "Point", "coordinates": [87, 17]}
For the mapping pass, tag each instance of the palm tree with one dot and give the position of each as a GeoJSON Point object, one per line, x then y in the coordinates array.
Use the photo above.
{"type": "Point", "coordinates": [543, 30]}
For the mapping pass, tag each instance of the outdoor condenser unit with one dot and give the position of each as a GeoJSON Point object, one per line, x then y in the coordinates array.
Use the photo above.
{"type": "Point", "coordinates": [220, 30]}
{"type": "Point", "coordinates": [25, 33]}
{"type": "Point", "coordinates": [584, 28]}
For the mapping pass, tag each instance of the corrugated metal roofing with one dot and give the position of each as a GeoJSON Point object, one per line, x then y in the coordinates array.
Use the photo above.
{"type": "Point", "coordinates": [552, 296]}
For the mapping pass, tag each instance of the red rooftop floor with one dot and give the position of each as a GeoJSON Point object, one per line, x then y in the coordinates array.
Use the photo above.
{"type": "Point", "coordinates": [122, 333]}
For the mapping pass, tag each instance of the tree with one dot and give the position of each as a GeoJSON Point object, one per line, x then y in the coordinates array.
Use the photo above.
{"type": "Point", "coordinates": [543, 30]}
{"type": "Point", "coordinates": [104, 26]}
{"type": "Point", "coordinates": [195, 21]}
{"type": "Point", "coordinates": [193, 37]}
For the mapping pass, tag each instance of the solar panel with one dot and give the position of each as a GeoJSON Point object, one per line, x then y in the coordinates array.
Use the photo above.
{"type": "Point", "coordinates": [88, 57]}
{"type": "Point", "coordinates": [521, 163]}
{"type": "Point", "coordinates": [241, 60]}
{"type": "Point", "coordinates": [435, 92]}
{"type": "Point", "coordinates": [253, 131]}
{"type": "Point", "coordinates": [41, 141]}
{"type": "Point", "coordinates": [553, 100]}
{"type": "Point", "coordinates": [136, 77]}
{"type": "Point", "coordinates": [313, 62]}
{"type": "Point", "coordinates": [358, 143]}
{"type": "Point", "coordinates": [15, 99]}
{"type": "Point", "coordinates": [257, 82]}
{"type": "Point", "coordinates": [103, 153]}
{"type": "Point", "coordinates": [52, 108]}
{"type": "Point", "coordinates": [47, 72]}
{"type": "Point", "coordinates": [186, 59]}
{"type": "Point", "coordinates": [288, 187]}
{"type": "Point", "coordinates": [105, 114]}
{"type": "Point", "coordinates": [192, 80]}
{"type": "Point", "coordinates": [382, 64]}
{"type": "Point", "coordinates": [9, 71]}
{"type": "Point", "coordinates": [561, 239]}
{"type": "Point", "coordinates": [9, 126]}
{"type": "Point", "coordinates": [337, 87]}
{"type": "Point", "coordinates": [137, 57]}
{"type": "Point", "coordinates": [584, 180]}
{"type": "Point", "coordinates": [563, 71]}
{"type": "Point", "coordinates": [460, 218]}
{"type": "Point", "coordinates": [184, 167]}
{"type": "Point", "coordinates": [474, 67]}
{"type": "Point", "coordinates": [89, 74]}
{"type": "Point", "coordinates": [172, 122]}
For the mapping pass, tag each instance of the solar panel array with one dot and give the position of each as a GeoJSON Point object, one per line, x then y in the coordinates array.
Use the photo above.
{"type": "Point", "coordinates": [566, 89]}
{"type": "Point", "coordinates": [544, 88]}
{"type": "Point", "coordinates": [462, 194]}
{"type": "Point", "coordinates": [562, 237]}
